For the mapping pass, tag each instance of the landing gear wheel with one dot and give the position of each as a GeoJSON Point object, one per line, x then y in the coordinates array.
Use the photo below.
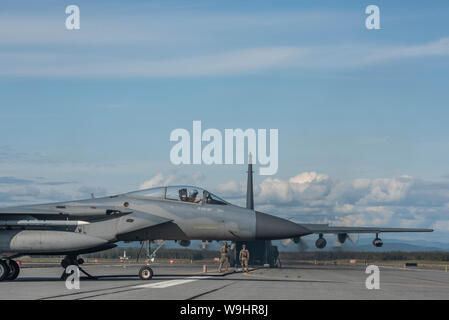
{"type": "Point", "coordinates": [4, 270]}
{"type": "Point", "coordinates": [14, 270]}
{"type": "Point", "coordinates": [145, 273]}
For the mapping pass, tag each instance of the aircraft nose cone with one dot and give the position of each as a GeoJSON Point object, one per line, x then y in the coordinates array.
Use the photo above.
{"type": "Point", "coordinates": [271, 227]}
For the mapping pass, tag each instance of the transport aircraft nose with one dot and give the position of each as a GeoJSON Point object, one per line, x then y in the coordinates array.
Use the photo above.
{"type": "Point", "coordinates": [271, 227]}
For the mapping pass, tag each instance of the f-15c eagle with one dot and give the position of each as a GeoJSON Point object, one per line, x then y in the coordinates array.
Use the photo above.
{"type": "Point", "coordinates": [171, 213]}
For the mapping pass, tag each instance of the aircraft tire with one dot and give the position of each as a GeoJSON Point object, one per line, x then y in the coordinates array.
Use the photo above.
{"type": "Point", "coordinates": [145, 273]}
{"type": "Point", "coordinates": [4, 270]}
{"type": "Point", "coordinates": [14, 270]}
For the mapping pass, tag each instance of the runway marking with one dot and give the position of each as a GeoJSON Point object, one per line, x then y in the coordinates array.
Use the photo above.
{"type": "Point", "coordinates": [169, 283]}
{"type": "Point", "coordinates": [104, 291]}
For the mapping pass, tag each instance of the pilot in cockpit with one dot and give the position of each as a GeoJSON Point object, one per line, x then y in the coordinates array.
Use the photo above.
{"type": "Point", "coordinates": [192, 196]}
{"type": "Point", "coordinates": [183, 194]}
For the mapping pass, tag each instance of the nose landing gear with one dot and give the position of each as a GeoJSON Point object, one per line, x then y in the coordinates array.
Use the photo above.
{"type": "Point", "coordinates": [145, 273]}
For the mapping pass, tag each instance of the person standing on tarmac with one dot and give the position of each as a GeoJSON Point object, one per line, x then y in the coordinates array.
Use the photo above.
{"type": "Point", "coordinates": [244, 258]}
{"type": "Point", "coordinates": [224, 250]}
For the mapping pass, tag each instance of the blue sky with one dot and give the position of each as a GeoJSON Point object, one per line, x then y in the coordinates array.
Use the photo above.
{"type": "Point", "coordinates": [366, 111]}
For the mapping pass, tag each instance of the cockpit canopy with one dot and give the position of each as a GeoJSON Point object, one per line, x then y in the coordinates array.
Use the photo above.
{"type": "Point", "coordinates": [180, 193]}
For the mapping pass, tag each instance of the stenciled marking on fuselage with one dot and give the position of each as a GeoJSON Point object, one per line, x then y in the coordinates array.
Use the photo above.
{"type": "Point", "coordinates": [206, 227]}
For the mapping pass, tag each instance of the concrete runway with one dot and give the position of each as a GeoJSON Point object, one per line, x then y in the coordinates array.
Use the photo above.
{"type": "Point", "coordinates": [186, 281]}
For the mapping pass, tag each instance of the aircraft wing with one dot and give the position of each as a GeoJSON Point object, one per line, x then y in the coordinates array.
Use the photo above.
{"type": "Point", "coordinates": [325, 228]}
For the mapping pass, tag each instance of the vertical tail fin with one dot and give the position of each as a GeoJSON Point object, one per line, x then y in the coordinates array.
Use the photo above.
{"type": "Point", "coordinates": [249, 185]}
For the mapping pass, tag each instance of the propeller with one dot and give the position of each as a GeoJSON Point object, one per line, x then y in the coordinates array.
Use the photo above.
{"type": "Point", "coordinates": [354, 237]}
{"type": "Point", "coordinates": [204, 244]}
{"type": "Point", "coordinates": [301, 244]}
{"type": "Point", "coordinates": [342, 237]}
{"type": "Point", "coordinates": [286, 242]}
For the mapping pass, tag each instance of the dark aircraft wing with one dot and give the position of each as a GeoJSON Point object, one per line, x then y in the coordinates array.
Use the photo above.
{"type": "Point", "coordinates": [63, 211]}
{"type": "Point", "coordinates": [324, 228]}
{"type": "Point", "coordinates": [54, 215]}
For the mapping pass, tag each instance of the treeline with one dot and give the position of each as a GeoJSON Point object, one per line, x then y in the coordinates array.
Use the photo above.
{"type": "Point", "coordinates": [377, 256]}
{"type": "Point", "coordinates": [190, 254]}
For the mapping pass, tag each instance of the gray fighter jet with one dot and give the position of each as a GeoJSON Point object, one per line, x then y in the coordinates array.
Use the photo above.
{"type": "Point", "coordinates": [179, 213]}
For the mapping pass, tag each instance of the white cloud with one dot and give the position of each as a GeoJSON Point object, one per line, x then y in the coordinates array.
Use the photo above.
{"type": "Point", "coordinates": [231, 189]}
{"type": "Point", "coordinates": [435, 48]}
{"type": "Point", "coordinates": [196, 61]}
{"type": "Point", "coordinates": [229, 62]}
{"type": "Point", "coordinates": [156, 181]}
{"type": "Point", "coordinates": [42, 192]}
{"type": "Point", "coordinates": [225, 63]}
{"type": "Point", "coordinates": [387, 190]}
{"type": "Point", "coordinates": [174, 178]}
{"type": "Point", "coordinates": [166, 40]}
{"type": "Point", "coordinates": [308, 177]}
{"type": "Point", "coordinates": [371, 216]}
{"type": "Point", "coordinates": [154, 26]}
{"type": "Point", "coordinates": [308, 197]}
{"type": "Point", "coordinates": [441, 225]}
{"type": "Point", "coordinates": [313, 197]}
